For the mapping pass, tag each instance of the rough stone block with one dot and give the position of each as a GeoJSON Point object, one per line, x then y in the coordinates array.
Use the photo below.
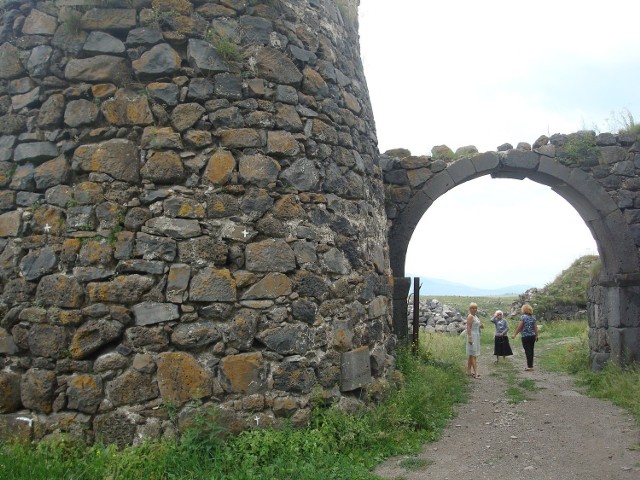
{"type": "Point", "coordinates": [461, 170]}
{"type": "Point", "coordinates": [625, 344]}
{"type": "Point", "coordinates": [521, 159]}
{"type": "Point", "coordinates": [244, 373]}
{"type": "Point", "coordinates": [16, 428]}
{"type": "Point", "coordinates": [355, 369]}
{"type": "Point", "coordinates": [149, 313]}
{"type": "Point", "coordinates": [439, 185]}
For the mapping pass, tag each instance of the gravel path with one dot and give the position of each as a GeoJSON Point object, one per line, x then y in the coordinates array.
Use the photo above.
{"type": "Point", "coordinates": [556, 434]}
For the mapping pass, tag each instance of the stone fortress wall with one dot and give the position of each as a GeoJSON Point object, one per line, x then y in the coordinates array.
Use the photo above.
{"type": "Point", "coordinates": [191, 214]}
{"type": "Point", "coordinates": [194, 213]}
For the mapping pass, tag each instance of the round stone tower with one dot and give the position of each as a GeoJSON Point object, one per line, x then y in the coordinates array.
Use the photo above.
{"type": "Point", "coordinates": [191, 214]}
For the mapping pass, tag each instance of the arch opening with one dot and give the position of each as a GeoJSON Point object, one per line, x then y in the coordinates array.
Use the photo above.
{"type": "Point", "coordinates": [614, 297]}
{"type": "Point", "coordinates": [497, 236]}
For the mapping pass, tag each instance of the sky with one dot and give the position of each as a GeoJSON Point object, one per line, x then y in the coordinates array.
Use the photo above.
{"type": "Point", "coordinates": [463, 72]}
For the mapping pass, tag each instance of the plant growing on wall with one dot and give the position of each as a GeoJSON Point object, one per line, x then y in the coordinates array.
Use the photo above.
{"type": "Point", "coordinates": [627, 124]}
{"type": "Point", "coordinates": [224, 46]}
{"type": "Point", "coordinates": [348, 12]}
{"type": "Point", "coordinates": [72, 23]}
{"type": "Point", "coordinates": [580, 149]}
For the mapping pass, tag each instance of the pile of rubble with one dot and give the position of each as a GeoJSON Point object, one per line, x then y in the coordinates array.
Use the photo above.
{"type": "Point", "coordinates": [435, 316]}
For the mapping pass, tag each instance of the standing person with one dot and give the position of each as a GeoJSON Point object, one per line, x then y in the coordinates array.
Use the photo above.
{"type": "Point", "coordinates": [501, 347]}
{"type": "Point", "coordinates": [528, 329]}
{"type": "Point", "coordinates": [473, 340]}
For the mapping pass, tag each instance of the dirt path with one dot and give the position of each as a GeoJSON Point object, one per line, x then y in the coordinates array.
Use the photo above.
{"type": "Point", "coordinates": [557, 433]}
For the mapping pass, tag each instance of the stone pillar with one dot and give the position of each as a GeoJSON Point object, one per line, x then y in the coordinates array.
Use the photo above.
{"type": "Point", "coordinates": [401, 288]}
{"type": "Point", "coordinates": [614, 321]}
{"type": "Point", "coordinates": [190, 187]}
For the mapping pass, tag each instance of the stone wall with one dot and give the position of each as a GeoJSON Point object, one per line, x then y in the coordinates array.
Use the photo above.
{"type": "Point", "coordinates": [191, 213]}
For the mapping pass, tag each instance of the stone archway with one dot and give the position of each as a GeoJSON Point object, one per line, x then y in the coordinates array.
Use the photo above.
{"type": "Point", "coordinates": [614, 297]}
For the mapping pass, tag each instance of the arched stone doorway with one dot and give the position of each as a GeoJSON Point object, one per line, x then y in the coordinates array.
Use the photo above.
{"type": "Point", "coordinates": [614, 296]}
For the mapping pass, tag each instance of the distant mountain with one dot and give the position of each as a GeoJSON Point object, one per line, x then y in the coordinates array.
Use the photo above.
{"type": "Point", "coordinates": [434, 286]}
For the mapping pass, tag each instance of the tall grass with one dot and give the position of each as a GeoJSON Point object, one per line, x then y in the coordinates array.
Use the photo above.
{"type": "Point", "coordinates": [566, 349]}
{"type": "Point", "coordinates": [335, 445]}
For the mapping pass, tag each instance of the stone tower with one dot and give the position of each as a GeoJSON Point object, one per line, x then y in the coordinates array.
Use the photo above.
{"type": "Point", "coordinates": [191, 213]}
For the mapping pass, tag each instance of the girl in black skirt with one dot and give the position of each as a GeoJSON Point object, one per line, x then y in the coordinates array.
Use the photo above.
{"type": "Point", "coordinates": [501, 347]}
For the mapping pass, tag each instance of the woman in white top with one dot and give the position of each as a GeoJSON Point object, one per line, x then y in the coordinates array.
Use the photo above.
{"type": "Point", "coordinates": [473, 341]}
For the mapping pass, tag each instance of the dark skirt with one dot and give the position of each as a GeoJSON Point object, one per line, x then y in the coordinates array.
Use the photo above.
{"type": "Point", "coordinates": [501, 346]}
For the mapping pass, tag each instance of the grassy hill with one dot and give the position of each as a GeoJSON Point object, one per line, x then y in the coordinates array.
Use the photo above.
{"type": "Point", "coordinates": [569, 289]}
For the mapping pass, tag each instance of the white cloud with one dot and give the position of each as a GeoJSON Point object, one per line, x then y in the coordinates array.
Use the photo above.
{"type": "Point", "coordinates": [496, 232]}
{"type": "Point", "coordinates": [464, 72]}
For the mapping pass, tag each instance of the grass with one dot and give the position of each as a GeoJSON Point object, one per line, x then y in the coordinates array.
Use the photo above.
{"type": "Point", "coordinates": [414, 464]}
{"type": "Point", "coordinates": [73, 22]}
{"type": "Point", "coordinates": [335, 445]}
{"type": "Point", "coordinates": [579, 149]}
{"type": "Point", "coordinates": [565, 349]}
{"type": "Point", "coordinates": [625, 123]}
{"type": "Point", "coordinates": [568, 288]}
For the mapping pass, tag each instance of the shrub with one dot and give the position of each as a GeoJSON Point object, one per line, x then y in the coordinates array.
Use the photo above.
{"type": "Point", "coordinates": [580, 149]}
{"type": "Point", "coordinates": [569, 288]}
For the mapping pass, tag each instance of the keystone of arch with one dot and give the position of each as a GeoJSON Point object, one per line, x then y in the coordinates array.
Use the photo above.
{"type": "Point", "coordinates": [521, 159]}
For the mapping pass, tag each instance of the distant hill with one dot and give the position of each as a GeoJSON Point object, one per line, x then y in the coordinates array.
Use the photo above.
{"type": "Point", "coordinates": [434, 286]}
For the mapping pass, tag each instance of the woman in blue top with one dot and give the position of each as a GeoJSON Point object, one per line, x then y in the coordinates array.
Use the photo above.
{"type": "Point", "coordinates": [501, 347]}
{"type": "Point", "coordinates": [528, 329]}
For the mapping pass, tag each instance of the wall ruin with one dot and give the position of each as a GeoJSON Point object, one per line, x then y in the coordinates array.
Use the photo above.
{"type": "Point", "coordinates": [192, 213]}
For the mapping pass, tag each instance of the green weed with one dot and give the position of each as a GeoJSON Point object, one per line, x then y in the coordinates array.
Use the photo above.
{"type": "Point", "coordinates": [414, 464]}
{"type": "Point", "coordinates": [515, 395]}
{"type": "Point", "coordinates": [580, 149]}
{"type": "Point", "coordinates": [528, 385]}
{"type": "Point", "coordinates": [570, 354]}
{"type": "Point", "coordinates": [227, 50]}
{"type": "Point", "coordinates": [568, 288]}
{"type": "Point", "coordinates": [72, 22]}
{"type": "Point", "coordinates": [624, 123]}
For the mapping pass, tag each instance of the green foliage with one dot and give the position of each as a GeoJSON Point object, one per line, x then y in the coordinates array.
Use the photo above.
{"type": "Point", "coordinates": [72, 23]}
{"type": "Point", "coordinates": [515, 395]}
{"type": "Point", "coordinates": [570, 354]}
{"type": "Point", "coordinates": [227, 50]}
{"type": "Point", "coordinates": [264, 2]}
{"type": "Point", "coordinates": [414, 464]}
{"type": "Point", "coordinates": [528, 385]}
{"type": "Point", "coordinates": [516, 391]}
{"type": "Point", "coordinates": [204, 436]}
{"type": "Point", "coordinates": [621, 385]}
{"type": "Point", "coordinates": [568, 288]}
{"type": "Point", "coordinates": [624, 123]}
{"type": "Point", "coordinates": [165, 18]}
{"type": "Point", "coordinates": [442, 153]}
{"type": "Point", "coordinates": [580, 149]}
{"type": "Point", "coordinates": [113, 234]}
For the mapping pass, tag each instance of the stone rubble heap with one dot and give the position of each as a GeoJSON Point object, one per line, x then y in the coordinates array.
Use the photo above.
{"type": "Point", "coordinates": [437, 317]}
